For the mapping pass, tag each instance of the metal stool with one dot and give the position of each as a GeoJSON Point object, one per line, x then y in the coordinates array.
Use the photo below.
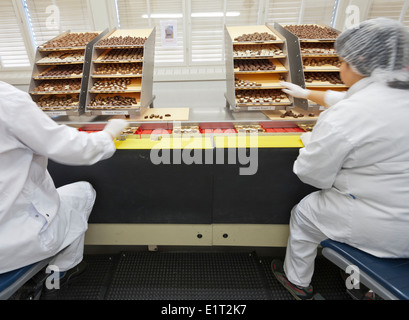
{"type": "Point", "coordinates": [12, 281]}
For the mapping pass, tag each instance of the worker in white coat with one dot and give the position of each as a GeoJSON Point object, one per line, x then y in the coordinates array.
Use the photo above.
{"type": "Point", "coordinates": [38, 221]}
{"type": "Point", "coordinates": [357, 155]}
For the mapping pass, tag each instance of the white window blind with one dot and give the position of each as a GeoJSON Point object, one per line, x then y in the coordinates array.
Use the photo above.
{"type": "Point", "coordinates": [208, 19]}
{"type": "Point", "coordinates": [397, 10]}
{"type": "Point", "coordinates": [47, 23]}
{"type": "Point", "coordinates": [145, 14]}
{"type": "Point", "coordinates": [318, 11]}
{"type": "Point", "coordinates": [13, 52]}
{"type": "Point", "coordinates": [300, 11]}
{"type": "Point", "coordinates": [283, 12]}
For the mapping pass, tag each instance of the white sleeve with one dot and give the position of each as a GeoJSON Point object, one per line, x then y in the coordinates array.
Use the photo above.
{"type": "Point", "coordinates": [319, 163]}
{"type": "Point", "coordinates": [60, 143]}
{"type": "Point", "coordinates": [333, 97]}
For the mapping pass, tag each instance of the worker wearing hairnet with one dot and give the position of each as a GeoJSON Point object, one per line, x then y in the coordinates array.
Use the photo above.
{"type": "Point", "coordinates": [38, 221]}
{"type": "Point", "coordinates": [357, 155]}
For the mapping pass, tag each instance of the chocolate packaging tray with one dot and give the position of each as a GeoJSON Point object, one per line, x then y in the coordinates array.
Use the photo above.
{"type": "Point", "coordinates": [122, 56]}
{"type": "Point", "coordinates": [59, 79]}
{"type": "Point", "coordinates": [256, 59]}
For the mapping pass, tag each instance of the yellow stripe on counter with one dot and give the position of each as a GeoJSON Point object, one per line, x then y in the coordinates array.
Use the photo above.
{"type": "Point", "coordinates": [248, 141]}
{"type": "Point", "coordinates": [165, 143]}
{"type": "Point", "coordinates": [206, 142]}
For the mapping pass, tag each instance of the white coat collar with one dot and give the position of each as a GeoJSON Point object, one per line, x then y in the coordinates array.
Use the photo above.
{"type": "Point", "coordinates": [358, 86]}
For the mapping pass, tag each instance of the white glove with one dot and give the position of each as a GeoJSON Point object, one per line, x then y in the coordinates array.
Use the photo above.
{"type": "Point", "coordinates": [115, 127]}
{"type": "Point", "coordinates": [294, 90]}
{"type": "Point", "coordinates": [305, 138]}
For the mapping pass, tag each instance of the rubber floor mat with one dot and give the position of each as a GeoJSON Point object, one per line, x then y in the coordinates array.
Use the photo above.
{"type": "Point", "coordinates": [188, 276]}
{"type": "Point", "coordinates": [144, 275]}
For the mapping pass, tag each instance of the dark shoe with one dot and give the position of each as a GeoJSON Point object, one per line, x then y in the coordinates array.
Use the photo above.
{"type": "Point", "coordinates": [299, 293]}
{"type": "Point", "coordinates": [67, 277]}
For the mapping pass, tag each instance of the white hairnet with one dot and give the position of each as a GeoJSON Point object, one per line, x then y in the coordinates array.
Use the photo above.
{"type": "Point", "coordinates": [377, 48]}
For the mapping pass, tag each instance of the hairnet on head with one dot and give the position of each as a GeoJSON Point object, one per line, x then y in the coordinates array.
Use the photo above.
{"type": "Point", "coordinates": [377, 48]}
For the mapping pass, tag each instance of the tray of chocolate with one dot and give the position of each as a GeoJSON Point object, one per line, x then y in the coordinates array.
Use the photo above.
{"type": "Point", "coordinates": [115, 102]}
{"type": "Point", "coordinates": [121, 41]}
{"type": "Point", "coordinates": [124, 38]}
{"type": "Point", "coordinates": [58, 86]}
{"type": "Point", "coordinates": [61, 72]}
{"type": "Point", "coordinates": [258, 65]}
{"type": "Point", "coordinates": [317, 49]}
{"type": "Point", "coordinates": [253, 34]}
{"type": "Point", "coordinates": [118, 70]}
{"type": "Point", "coordinates": [321, 64]}
{"type": "Point", "coordinates": [261, 97]}
{"type": "Point", "coordinates": [260, 81]}
{"type": "Point", "coordinates": [67, 41]}
{"type": "Point", "coordinates": [58, 102]}
{"type": "Point", "coordinates": [186, 130]}
{"type": "Point", "coordinates": [323, 79]}
{"type": "Point", "coordinates": [256, 51]}
{"type": "Point", "coordinates": [313, 32]}
{"type": "Point", "coordinates": [57, 58]}
{"type": "Point", "coordinates": [116, 85]}
{"type": "Point", "coordinates": [121, 55]}
{"type": "Point", "coordinates": [256, 128]}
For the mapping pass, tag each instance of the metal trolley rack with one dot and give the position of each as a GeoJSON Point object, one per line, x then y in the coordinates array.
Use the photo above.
{"type": "Point", "coordinates": [59, 81]}
{"type": "Point", "coordinates": [254, 68]}
{"type": "Point", "coordinates": [121, 77]}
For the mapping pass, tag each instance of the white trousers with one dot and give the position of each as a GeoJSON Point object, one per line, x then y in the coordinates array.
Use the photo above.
{"type": "Point", "coordinates": [301, 249]}
{"type": "Point", "coordinates": [70, 224]}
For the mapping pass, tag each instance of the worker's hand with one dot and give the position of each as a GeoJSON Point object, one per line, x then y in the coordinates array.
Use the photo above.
{"type": "Point", "coordinates": [294, 90]}
{"type": "Point", "coordinates": [115, 127]}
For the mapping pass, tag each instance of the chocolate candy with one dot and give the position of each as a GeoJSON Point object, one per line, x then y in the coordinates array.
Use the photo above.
{"type": "Point", "coordinates": [122, 41]}
{"type": "Point", "coordinates": [71, 40]}
{"type": "Point", "coordinates": [331, 77]}
{"type": "Point", "coordinates": [112, 84]}
{"type": "Point", "coordinates": [119, 69]}
{"type": "Point", "coordinates": [254, 65]}
{"type": "Point", "coordinates": [59, 86]}
{"type": "Point", "coordinates": [116, 101]}
{"type": "Point", "coordinates": [63, 71]}
{"type": "Point", "coordinates": [255, 37]}
{"type": "Point", "coordinates": [312, 31]}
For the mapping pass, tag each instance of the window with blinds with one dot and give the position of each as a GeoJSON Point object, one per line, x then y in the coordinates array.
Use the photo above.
{"type": "Point", "coordinates": [318, 11]}
{"type": "Point", "coordinates": [283, 12]}
{"type": "Point", "coordinates": [207, 25]}
{"type": "Point", "coordinates": [397, 10]}
{"type": "Point", "coordinates": [49, 18]}
{"type": "Point", "coordinates": [300, 11]}
{"type": "Point", "coordinates": [149, 14]}
{"type": "Point", "coordinates": [13, 53]}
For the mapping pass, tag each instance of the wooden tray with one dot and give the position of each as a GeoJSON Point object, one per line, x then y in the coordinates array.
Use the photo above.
{"type": "Point", "coordinates": [135, 86]}
{"type": "Point", "coordinates": [267, 81]}
{"type": "Point", "coordinates": [279, 68]}
{"type": "Point", "coordinates": [235, 32]}
{"type": "Point", "coordinates": [176, 114]}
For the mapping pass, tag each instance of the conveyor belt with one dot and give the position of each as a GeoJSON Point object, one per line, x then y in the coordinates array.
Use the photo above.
{"type": "Point", "coordinates": [191, 276]}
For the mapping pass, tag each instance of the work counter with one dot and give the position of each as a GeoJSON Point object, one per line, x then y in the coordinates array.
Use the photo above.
{"type": "Point", "coordinates": [216, 186]}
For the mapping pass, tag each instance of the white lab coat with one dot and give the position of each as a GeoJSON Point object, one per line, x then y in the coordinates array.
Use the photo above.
{"type": "Point", "coordinates": [29, 201]}
{"type": "Point", "coordinates": [358, 155]}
